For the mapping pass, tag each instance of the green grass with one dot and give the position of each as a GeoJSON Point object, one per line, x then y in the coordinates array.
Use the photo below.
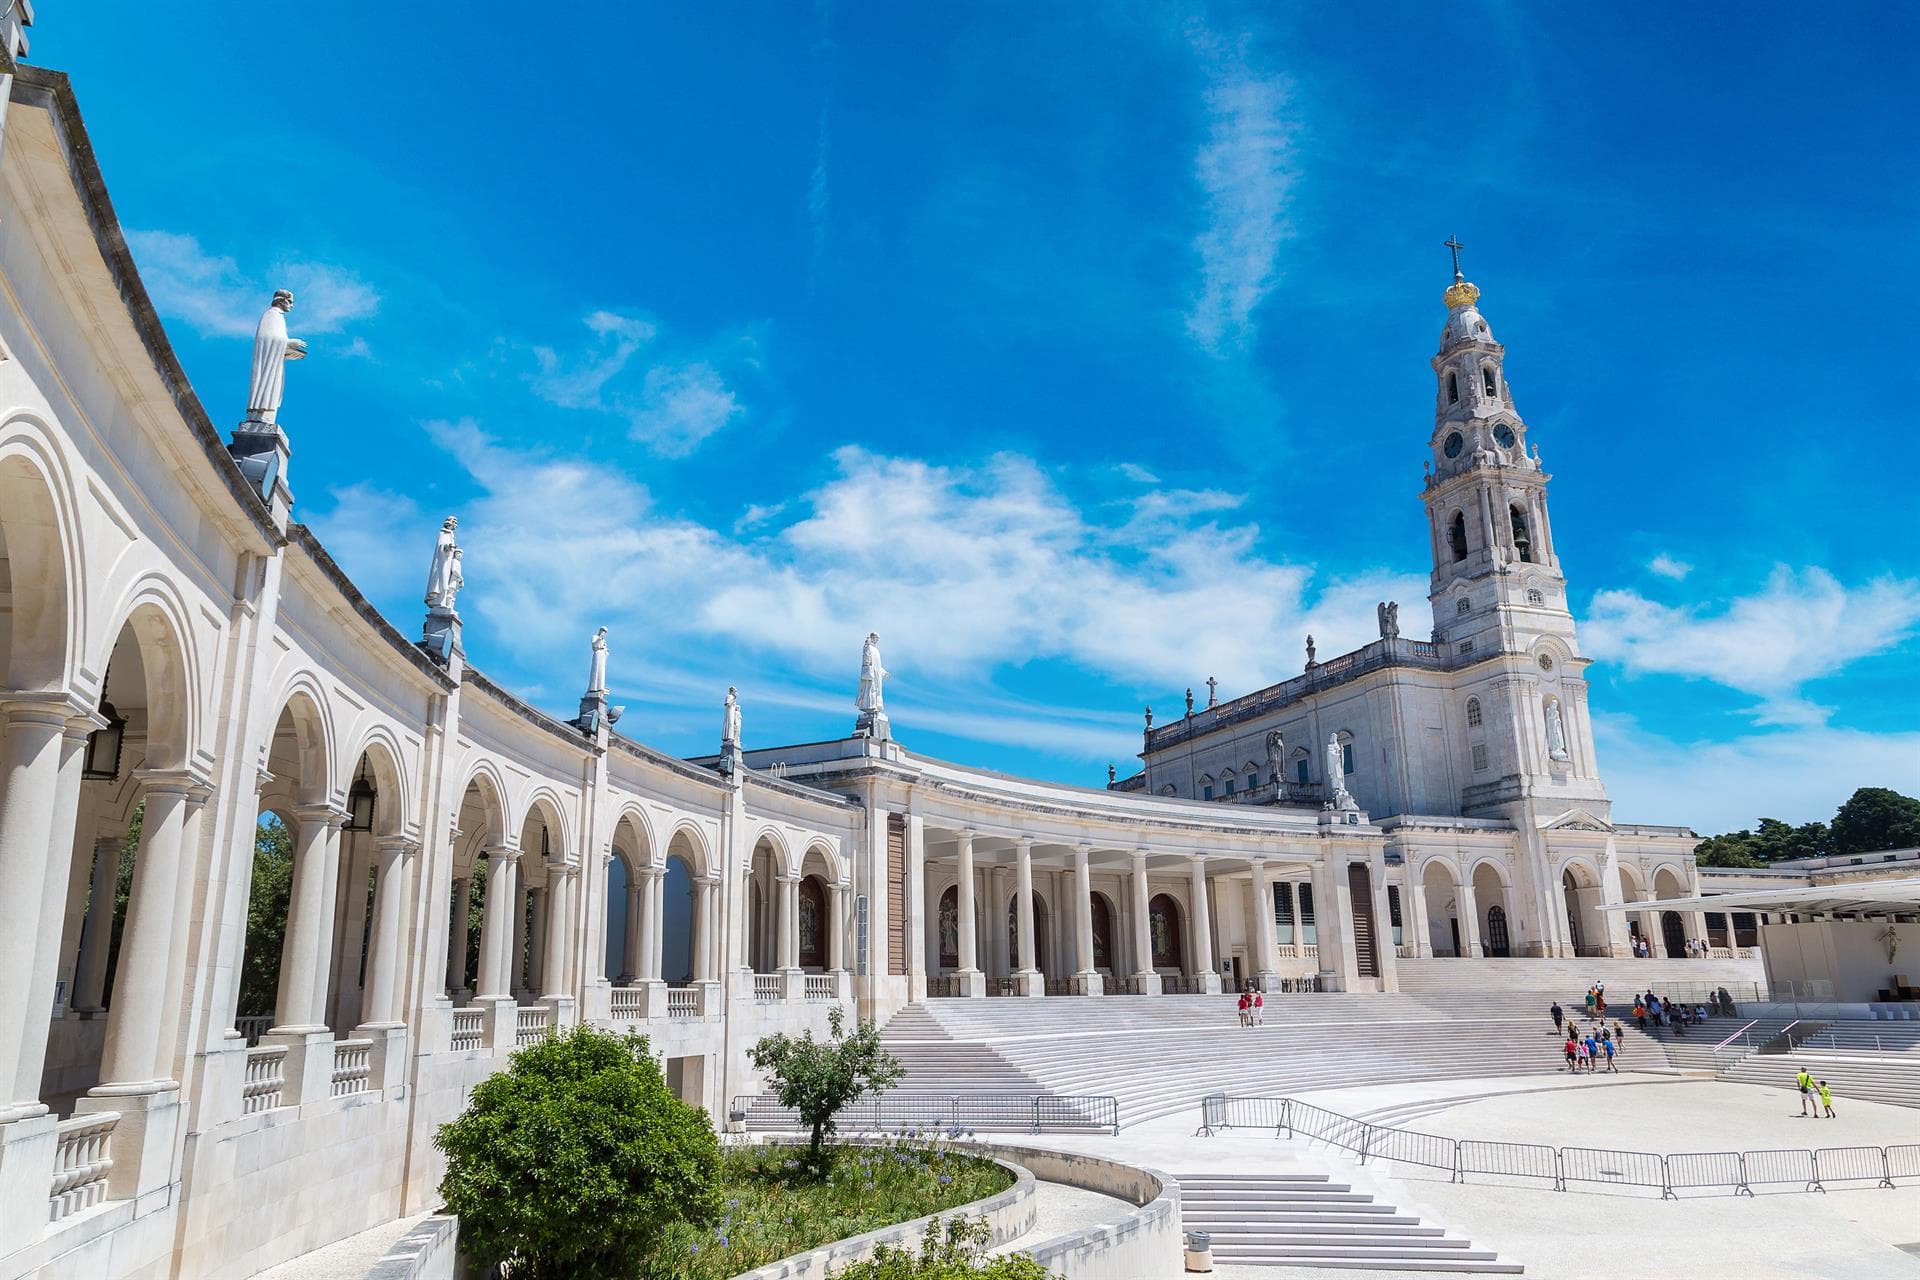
{"type": "Point", "coordinates": [773, 1209]}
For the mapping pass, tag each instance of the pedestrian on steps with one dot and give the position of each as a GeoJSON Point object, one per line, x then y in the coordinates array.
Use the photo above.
{"type": "Point", "coordinates": [1805, 1081]}
{"type": "Point", "coordinates": [1573, 1053]}
{"type": "Point", "coordinates": [1589, 1002]}
{"type": "Point", "coordinates": [1558, 1014]}
{"type": "Point", "coordinates": [1607, 1044]}
{"type": "Point", "coordinates": [1259, 1007]}
{"type": "Point", "coordinates": [1246, 1009]}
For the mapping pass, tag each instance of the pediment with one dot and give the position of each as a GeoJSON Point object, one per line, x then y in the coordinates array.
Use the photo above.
{"type": "Point", "coordinates": [1576, 820]}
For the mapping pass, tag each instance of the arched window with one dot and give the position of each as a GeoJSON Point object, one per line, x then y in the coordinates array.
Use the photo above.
{"type": "Point", "coordinates": [1522, 540]}
{"type": "Point", "coordinates": [1346, 755]}
{"type": "Point", "coordinates": [1473, 713]}
{"type": "Point", "coordinates": [1453, 388]}
{"type": "Point", "coordinates": [1301, 767]}
{"type": "Point", "coordinates": [950, 927]}
{"type": "Point", "coordinates": [1102, 932]}
{"type": "Point", "coordinates": [813, 924]}
{"type": "Point", "coordinates": [1463, 605]}
{"type": "Point", "coordinates": [1535, 596]}
{"type": "Point", "coordinates": [1486, 376]}
{"type": "Point", "coordinates": [1457, 535]}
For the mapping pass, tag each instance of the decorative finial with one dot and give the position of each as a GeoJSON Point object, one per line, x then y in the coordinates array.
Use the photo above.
{"type": "Point", "coordinates": [1459, 293]}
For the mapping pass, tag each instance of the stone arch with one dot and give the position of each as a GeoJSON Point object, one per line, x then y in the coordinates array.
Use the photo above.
{"type": "Point", "coordinates": [637, 847]}
{"type": "Point", "coordinates": [767, 866]}
{"type": "Point", "coordinates": [1166, 932]}
{"type": "Point", "coordinates": [42, 561]}
{"type": "Point", "coordinates": [545, 805]}
{"type": "Point", "coordinates": [682, 942]}
{"type": "Point", "coordinates": [303, 736]}
{"type": "Point", "coordinates": [1439, 880]}
{"type": "Point", "coordinates": [155, 619]}
{"type": "Point", "coordinates": [1492, 898]}
{"type": "Point", "coordinates": [485, 781]}
{"type": "Point", "coordinates": [380, 749]}
{"type": "Point", "coordinates": [835, 867]}
{"type": "Point", "coordinates": [693, 842]}
{"type": "Point", "coordinates": [1580, 899]}
{"type": "Point", "coordinates": [1106, 916]}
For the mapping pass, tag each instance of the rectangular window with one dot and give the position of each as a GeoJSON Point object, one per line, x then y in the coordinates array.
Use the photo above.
{"type": "Point", "coordinates": [1300, 771]}
{"type": "Point", "coordinates": [1229, 786]}
{"type": "Point", "coordinates": [1479, 756]}
{"type": "Point", "coordinates": [1206, 792]}
{"type": "Point", "coordinates": [1465, 646]}
{"type": "Point", "coordinates": [860, 927]}
{"type": "Point", "coordinates": [1346, 757]}
{"type": "Point", "coordinates": [1717, 929]}
{"type": "Point", "coordinates": [1745, 934]}
{"type": "Point", "coordinates": [1253, 782]}
{"type": "Point", "coordinates": [1283, 912]}
{"type": "Point", "coordinates": [1308, 932]}
{"type": "Point", "coordinates": [896, 894]}
{"type": "Point", "coordinates": [1393, 911]}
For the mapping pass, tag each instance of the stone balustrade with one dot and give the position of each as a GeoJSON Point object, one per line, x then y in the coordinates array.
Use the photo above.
{"type": "Point", "coordinates": [821, 987]}
{"type": "Point", "coordinates": [254, 1026]}
{"type": "Point", "coordinates": [767, 988]}
{"type": "Point", "coordinates": [683, 1002]}
{"type": "Point", "coordinates": [530, 1023]}
{"type": "Point", "coordinates": [469, 1029]}
{"type": "Point", "coordinates": [263, 1085]}
{"type": "Point", "coordinates": [629, 1003]}
{"type": "Point", "coordinates": [352, 1067]}
{"type": "Point", "coordinates": [81, 1162]}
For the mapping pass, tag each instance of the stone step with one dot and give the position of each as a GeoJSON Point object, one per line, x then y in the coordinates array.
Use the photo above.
{"type": "Point", "coordinates": [1335, 1242]}
{"type": "Point", "coordinates": [1444, 1263]}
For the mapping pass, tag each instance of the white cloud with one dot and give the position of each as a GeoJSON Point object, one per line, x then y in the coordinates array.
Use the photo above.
{"type": "Point", "coordinates": [1725, 786]}
{"type": "Point", "coordinates": [1137, 473]}
{"type": "Point", "coordinates": [678, 402]}
{"type": "Point", "coordinates": [213, 295]}
{"type": "Point", "coordinates": [1801, 626]}
{"type": "Point", "coordinates": [1667, 567]}
{"type": "Point", "coordinates": [960, 568]}
{"type": "Point", "coordinates": [1246, 169]}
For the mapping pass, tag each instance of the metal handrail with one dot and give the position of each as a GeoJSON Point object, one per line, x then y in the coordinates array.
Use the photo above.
{"type": "Point", "coordinates": [1736, 1035]}
{"type": "Point", "coordinates": [1026, 1112]}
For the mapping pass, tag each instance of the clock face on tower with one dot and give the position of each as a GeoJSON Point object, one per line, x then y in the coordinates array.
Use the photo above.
{"type": "Point", "coordinates": [1504, 434]}
{"type": "Point", "coordinates": [1455, 443]}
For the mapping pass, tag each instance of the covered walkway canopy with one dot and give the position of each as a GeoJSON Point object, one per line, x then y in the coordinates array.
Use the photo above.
{"type": "Point", "coordinates": [1866, 898]}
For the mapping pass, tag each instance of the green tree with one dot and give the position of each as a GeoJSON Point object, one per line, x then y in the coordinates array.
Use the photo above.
{"type": "Point", "coordinates": [574, 1160]}
{"type": "Point", "coordinates": [1732, 850]}
{"type": "Point", "coordinates": [953, 1250]}
{"type": "Point", "coordinates": [268, 894]}
{"type": "Point", "coordinates": [1876, 818]}
{"type": "Point", "coordinates": [818, 1078]}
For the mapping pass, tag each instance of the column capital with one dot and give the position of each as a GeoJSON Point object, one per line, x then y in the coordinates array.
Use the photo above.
{"type": "Point", "coordinates": [1023, 845]}
{"type": "Point", "coordinates": [185, 782]}
{"type": "Point", "coordinates": [330, 814]}
{"type": "Point", "coordinates": [51, 710]}
{"type": "Point", "coordinates": [404, 846]}
{"type": "Point", "coordinates": [1197, 858]}
{"type": "Point", "coordinates": [501, 853]}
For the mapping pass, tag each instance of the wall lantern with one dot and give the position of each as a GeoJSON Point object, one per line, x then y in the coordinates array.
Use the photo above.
{"type": "Point", "coordinates": [102, 763]}
{"type": "Point", "coordinates": [360, 797]}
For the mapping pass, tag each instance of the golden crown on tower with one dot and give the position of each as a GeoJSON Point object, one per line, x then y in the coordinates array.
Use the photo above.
{"type": "Point", "coordinates": [1461, 293]}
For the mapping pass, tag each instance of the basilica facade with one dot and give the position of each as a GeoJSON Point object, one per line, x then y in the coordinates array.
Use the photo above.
{"type": "Point", "coordinates": [181, 661]}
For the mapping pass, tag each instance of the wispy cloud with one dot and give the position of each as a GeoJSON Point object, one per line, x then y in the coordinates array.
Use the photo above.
{"type": "Point", "coordinates": [1802, 625]}
{"type": "Point", "coordinates": [213, 295]}
{"type": "Point", "coordinates": [679, 400]}
{"type": "Point", "coordinates": [1667, 567]}
{"type": "Point", "coordinates": [1246, 169]}
{"type": "Point", "coordinates": [818, 195]}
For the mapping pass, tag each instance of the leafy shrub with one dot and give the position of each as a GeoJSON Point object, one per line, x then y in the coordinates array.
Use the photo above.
{"type": "Point", "coordinates": [953, 1250]}
{"type": "Point", "coordinates": [576, 1159]}
{"type": "Point", "coordinates": [818, 1078]}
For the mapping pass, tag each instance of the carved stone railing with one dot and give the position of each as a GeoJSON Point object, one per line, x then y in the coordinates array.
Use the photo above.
{"type": "Point", "coordinates": [629, 1003]}
{"type": "Point", "coordinates": [81, 1163]}
{"type": "Point", "coordinates": [253, 1026]}
{"type": "Point", "coordinates": [683, 1002]}
{"type": "Point", "coordinates": [352, 1067]}
{"type": "Point", "coordinates": [265, 1081]}
{"type": "Point", "coordinates": [530, 1023]}
{"type": "Point", "coordinates": [767, 988]}
{"type": "Point", "coordinates": [469, 1029]}
{"type": "Point", "coordinates": [821, 987]}
{"type": "Point", "coordinates": [1181, 984]}
{"type": "Point", "coordinates": [943, 986]}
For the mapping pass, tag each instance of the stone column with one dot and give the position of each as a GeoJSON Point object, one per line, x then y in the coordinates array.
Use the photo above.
{"type": "Point", "coordinates": [496, 924]}
{"type": "Point", "coordinates": [1415, 906]}
{"type": "Point", "coordinates": [972, 981]}
{"type": "Point", "coordinates": [631, 946]}
{"type": "Point", "coordinates": [457, 937]}
{"type": "Point", "coordinates": [1083, 917]}
{"type": "Point", "coordinates": [785, 890]}
{"type": "Point", "coordinates": [30, 807]}
{"type": "Point", "coordinates": [701, 930]}
{"type": "Point", "coordinates": [1032, 982]}
{"type": "Point", "coordinates": [96, 935]}
{"type": "Point", "coordinates": [1144, 972]}
{"type": "Point", "coordinates": [538, 901]}
{"type": "Point", "coordinates": [916, 907]}
{"type": "Point", "coordinates": [837, 931]}
{"type": "Point", "coordinates": [517, 949]}
{"type": "Point", "coordinates": [1266, 963]}
{"type": "Point", "coordinates": [135, 1035]}
{"type": "Point", "coordinates": [1202, 926]}
{"type": "Point", "coordinates": [1383, 925]}
{"type": "Point", "coordinates": [554, 928]}
{"type": "Point", "coordinates": [1615, 922]}
{"type": "Point", "coordinates": [349, 961]}
{"type": "Point", "coordinates": [1469, 917]}
{"type": "Point", "coordinates": [301, 1005]}
{"type": "Point", "coordinates": [653, 899]}
{"type": "Point", "coordinates": [379, 1003]}
{"type": "Point", "coordinates": [1333, 921]}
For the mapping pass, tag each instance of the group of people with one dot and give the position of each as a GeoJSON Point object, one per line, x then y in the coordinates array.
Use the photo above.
{"type": "Point", "coordinates": [1696, 948]}
{"type": "Point", "coordinates": [1252, 1006]}
{"type": "Point", "coordinates": [1599, 1042]}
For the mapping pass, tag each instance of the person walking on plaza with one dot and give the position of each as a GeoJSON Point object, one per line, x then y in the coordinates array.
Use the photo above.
{"type": "Point", "coordinates": [1259, 1007]}
{"type": "Point", "coordinates": [1573, 1052]}
{"type": "Point", "coordinates": [1558, 1014]}
{"type": "Point", "coordinates": [1608, 1046]}
{"type": "Point", "coordinates": [1805, 1081]}
{"type": "Point", "coordinates": [1246, 1009]}
{"type": "Point", "coordinates": [1826, 1100]}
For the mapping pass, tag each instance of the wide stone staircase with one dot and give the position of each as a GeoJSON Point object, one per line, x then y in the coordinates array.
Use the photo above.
{"type": "Point", "coordinates": [1159, 1055]}
{"type": "Point", "coordinates": [1892, 1076]}
{"type": "Point", "coordinates": [1682, 979]}
{"type": "Point", "coordinates": [1308, 1220]}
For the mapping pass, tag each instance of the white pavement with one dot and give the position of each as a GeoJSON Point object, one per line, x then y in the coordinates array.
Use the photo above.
{"type": "Point", "coordinates": [1848, 1234]}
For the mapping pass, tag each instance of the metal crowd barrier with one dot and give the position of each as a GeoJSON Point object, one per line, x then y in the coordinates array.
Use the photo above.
{"type": "Point", "coordinates": [1737, 1171]}
{"type": "Point", "coordinates": [1005, 1112]}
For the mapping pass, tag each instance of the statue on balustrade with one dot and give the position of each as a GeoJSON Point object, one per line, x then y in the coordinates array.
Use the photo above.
{"type": "Point", "coordinates": [272, 349]}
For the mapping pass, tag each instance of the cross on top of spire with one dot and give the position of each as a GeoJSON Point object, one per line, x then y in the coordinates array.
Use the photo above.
{"type": "Point", "coordinates": [1453, 243]}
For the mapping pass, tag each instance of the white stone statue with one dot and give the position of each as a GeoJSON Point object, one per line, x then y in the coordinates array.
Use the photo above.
{"type": "Point", "coordinates": [1276, 755]}
{"type": "Point", "coordinates": [444, 577]}
{"type": "Point", "coordinates": [1336, 766]}
{"type": "Point", "coordinates": [1556, 731]}
{"type": "Point", "coordinates": [597, 673]}
{"type": "Point", "coordinates": [868, 701]}
{"type": "Point", "coordinates": [730, 719]}
{"type": "Point", "coordinates": [272, 348]}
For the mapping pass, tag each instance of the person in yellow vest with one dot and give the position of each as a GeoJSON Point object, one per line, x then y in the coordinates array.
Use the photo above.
{"type": "Point", "coordinates": [1805, 1081]}
{"type": "Point", "coordinates": [1826, 1100]}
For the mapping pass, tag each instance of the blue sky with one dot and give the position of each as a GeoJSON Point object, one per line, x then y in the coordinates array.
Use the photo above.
{"type": "Point", "coordinates": [1081, 351]}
